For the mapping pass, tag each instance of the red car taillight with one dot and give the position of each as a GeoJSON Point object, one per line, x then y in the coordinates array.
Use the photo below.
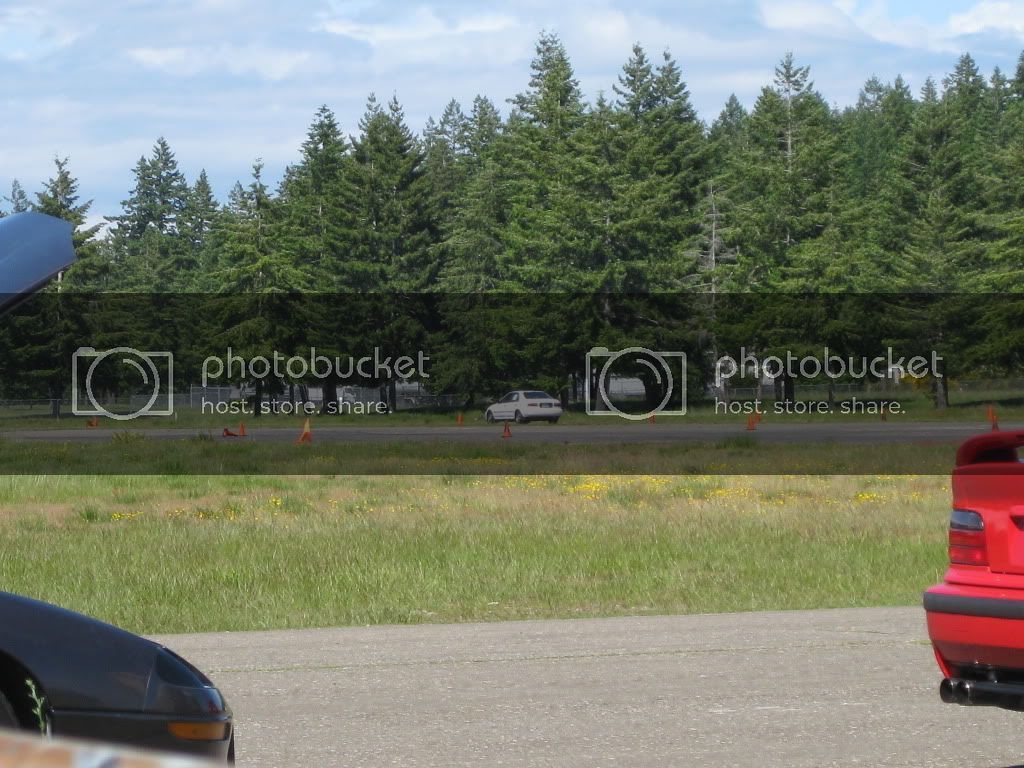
{"type": "Point", "coordinates": [967, 538]}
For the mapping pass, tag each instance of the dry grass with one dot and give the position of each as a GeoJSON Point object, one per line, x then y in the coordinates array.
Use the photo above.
{"type": "Point", "coordinates": [169, 554]}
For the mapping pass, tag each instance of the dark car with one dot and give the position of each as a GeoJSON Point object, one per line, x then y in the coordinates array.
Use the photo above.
{"type": "Point", "coordinates": [34, 248]}
{"type": "Point", "coordinates": [66, 673]}
{"type": "Point", "coordinates": [99, 682]}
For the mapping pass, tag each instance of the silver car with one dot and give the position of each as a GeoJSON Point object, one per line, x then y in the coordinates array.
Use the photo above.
{"type": "Point", "coordinates": [522, 405]}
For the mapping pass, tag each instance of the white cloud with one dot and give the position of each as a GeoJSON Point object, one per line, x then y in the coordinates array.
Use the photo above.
{"type": "Point", "coordinates": [411, 41]}
{"type": "Point", "coordinates": [423, 24]}
{"type": "Point", "coordinates": [807, 16]}
{"type": "Point", "coordinates": [989, 16]}
{"type": "Point", "coordinates": [273, 64]}
{"type": "Point", "coordinates": [877, 21]}
{"type": "Point", "coordinates": [31, 32]}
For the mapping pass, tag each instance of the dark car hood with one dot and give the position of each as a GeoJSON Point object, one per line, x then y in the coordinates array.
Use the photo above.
{"type": "Point", "coordinates": [34, 248]}
{"type": "Point", "coordinates": [82, 663]}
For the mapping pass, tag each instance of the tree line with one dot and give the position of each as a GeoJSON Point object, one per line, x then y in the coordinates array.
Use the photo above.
{"type": "Point", "coordinates": [630, 193]}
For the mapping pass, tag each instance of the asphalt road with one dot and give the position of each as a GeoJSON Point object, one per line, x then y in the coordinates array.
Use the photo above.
{"type": "Point", "coordinates": [852, 687]}
{"type": "Point", "coordinates": [616, 432]}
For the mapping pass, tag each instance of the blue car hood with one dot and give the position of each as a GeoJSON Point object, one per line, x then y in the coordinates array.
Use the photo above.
{"type": "Point", "coordinates": [34, 247]}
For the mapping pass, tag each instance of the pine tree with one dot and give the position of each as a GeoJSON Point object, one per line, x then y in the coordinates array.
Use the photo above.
{"type": "Point", "coordinates": [18, 199]}
{"type": "Point", "coordinates": [198, 218]}
{"type": "Point", "coordinates": [249, 261]}
{"type": "Point", "coordinates": [151, 251]}
{"type": "Point", "coordinates": [716, 256]}
{"type": "Point", "coordinates": [727, 128]}
{"type": "Point", "coordinates": [393, 233]}
{"type": "Point", "coordinates": [446, 164]}
{"type": "Point", "coordinates": [587, 212]}
{"type": "Point", "coordinates": [964, 165]}
{"type": "Point", "coordinates": [472, 253]}
{"type": "Point", "coordinates": [471, 250]}
{"type": "Point", "coordinates": [942, 175]}
{"type": "Point", "coordinates": [636, 88]}
{"type": "Point", "coordinates": [999, 92]}
{"type": "Point", "coordinates": [1005, 217]}
{"type": "Point", "coordinates": [662, 158]}
{"type": "Point", "coordinates": [317, 205]}
{"type": "Point", "coordinates": [553, 102]}
{"type": "Point", "coordinates": [60, 198]}
{"type": "Point", "coordinates": [536, 173]}
{"type": "Point", "coordinates": [788, 175]}
{"type": "Point", "coordinates": [868, 212]}
{"type": "Point", "coordinates": [1017, 83]}
{"type": "Point", "coordinates": [484, 127]}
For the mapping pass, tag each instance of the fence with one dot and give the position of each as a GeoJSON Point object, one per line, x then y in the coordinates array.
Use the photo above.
{"type": "Point", "coordinates": [413, 395]}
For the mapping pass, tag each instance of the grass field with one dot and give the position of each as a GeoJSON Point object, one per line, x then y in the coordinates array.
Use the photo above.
{"type": "Point", "coordinates": [182, 554]}
{"type": "Point", "coordinates": [140, 454]}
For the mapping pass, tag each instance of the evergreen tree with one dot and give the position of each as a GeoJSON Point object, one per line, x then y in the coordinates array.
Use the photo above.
{"type": "Point", "coordinates": [198, 218]}
{"type": "Point", "coordinates": [18, 199]}
{"type": "Point", "coordinates": [1017, 84]}
{"type": "Point", "coordinates": [727, 129]}
{"type": "Point", "coordinates": [393, 233]}
{"type": "Point", "coordinates": [483, 128]}
{"type": "Point", "coordinates": [868, 213]}
{"type": "Point", "coordinates": [537, 176]}
{"type": "Point", "coordinates": [317, 198]}
{"type": "Point", "coordinates": [151, 251]}
{"type": "Point", "coordinates": [249, 260]}
{"type": "Point", "coordinates": [471, 250]}
{"type": "Point", "coordinates": [446, 165]}
{"type": "Point", "coordinates": [636, 88]}
{"type": "Point", "coordinates": [1005, 217]}
{"type": "Point", "coordinates": [788, 177]}
{"type": "Point", "coordinates": [662, 159]}
{"type": "Point", "coordinates": [60, 198]}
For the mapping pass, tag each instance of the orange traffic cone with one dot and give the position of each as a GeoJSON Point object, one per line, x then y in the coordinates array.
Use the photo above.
{"type": "Point", "coordinates": [241, 430]}
{"type": "Point", "coordinates": [228, 433]}
{"type": "Point", "coordinates": [93, 422]}
{"type": "Point", "coordinates": [307, 434]}
{"type": "Point", "coordinates": [507, 432]}
{"type": "Point", "coordinates": [992, 419]}
{"type": "Point", "coordinates": [751, 423]}
{"type": "Point", "coordinates": [458, 418]}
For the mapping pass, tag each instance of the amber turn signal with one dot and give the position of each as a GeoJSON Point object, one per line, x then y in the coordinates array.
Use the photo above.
{"type": "Point", "coordinates": [216, 731]}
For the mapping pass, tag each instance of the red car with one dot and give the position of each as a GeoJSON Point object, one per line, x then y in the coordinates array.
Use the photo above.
{"type": "Point", "coordinates": [976, 616]}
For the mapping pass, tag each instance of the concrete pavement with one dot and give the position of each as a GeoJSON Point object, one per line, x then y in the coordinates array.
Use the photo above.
{"type": "Point", "coordinates": [852, 687]}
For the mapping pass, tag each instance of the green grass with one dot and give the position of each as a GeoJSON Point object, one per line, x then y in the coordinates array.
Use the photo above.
{"type": "Point", "coordinates": [132, 452]}
{"type": "Point", "coordinates": [184, 554]}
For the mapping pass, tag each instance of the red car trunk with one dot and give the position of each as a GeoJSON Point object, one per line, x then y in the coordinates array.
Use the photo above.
{"type": "Point", "coordinates": [976, 616]}
{"type": "Point", "coordinates": [989, 480]}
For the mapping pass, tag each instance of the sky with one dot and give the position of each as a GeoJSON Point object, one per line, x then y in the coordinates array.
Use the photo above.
{"type": "Point", "coordinates": [227, 81]}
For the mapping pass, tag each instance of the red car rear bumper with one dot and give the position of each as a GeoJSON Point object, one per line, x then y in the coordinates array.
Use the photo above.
{"type": "Point", "coordinates": [975, 626]}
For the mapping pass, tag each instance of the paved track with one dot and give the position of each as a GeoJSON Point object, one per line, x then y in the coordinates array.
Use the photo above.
{"type": "Point", "coordinates": [665, 431]}
{"type": "Point", "coordinates": [855, 687]}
